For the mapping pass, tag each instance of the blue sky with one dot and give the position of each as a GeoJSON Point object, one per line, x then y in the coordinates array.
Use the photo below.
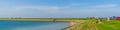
{"type": "Point", "coordinates": [59, 8]}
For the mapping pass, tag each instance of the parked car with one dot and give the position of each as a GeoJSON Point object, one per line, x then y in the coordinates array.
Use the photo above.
{"type": "Point", "coordinates": [117, 18]}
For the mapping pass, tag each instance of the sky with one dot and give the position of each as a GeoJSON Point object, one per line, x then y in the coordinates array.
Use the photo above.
{"type": "Point", "coordinates": [58, 8]}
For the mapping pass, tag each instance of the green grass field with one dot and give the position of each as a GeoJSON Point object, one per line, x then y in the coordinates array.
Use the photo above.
{"type": "Point", "coordinates": [112, 25]}
{"type": "Point", "coordinates": [91, 25]}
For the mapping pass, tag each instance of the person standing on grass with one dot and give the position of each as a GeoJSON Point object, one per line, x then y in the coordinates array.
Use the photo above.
{"type": "Point", "coordinates": [108, 19]}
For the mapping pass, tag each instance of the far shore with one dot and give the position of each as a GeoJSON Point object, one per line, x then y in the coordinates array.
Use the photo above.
{"type": "Point", "coordinates": [44, 19]}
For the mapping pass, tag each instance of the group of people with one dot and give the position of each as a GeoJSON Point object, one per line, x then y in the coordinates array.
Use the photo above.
{"type": "Point", "coordinates": [100, 20]}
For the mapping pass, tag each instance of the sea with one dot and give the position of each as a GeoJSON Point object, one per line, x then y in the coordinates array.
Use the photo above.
{"type": "Point", "coordinates": [32, 25]}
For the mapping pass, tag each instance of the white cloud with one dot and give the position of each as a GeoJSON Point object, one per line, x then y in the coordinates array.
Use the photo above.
{"type": "Point", "coordinates": [106, 6]}
{"type": "Point", "coordinates": [51, 9]}
{"type": "Point", "coordinates": [75, 4]}
{"type": "Point", "coordinates": [39, 7]}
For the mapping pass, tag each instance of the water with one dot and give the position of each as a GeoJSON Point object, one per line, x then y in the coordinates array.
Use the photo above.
{"type": "Point", "coordinates": [28, 25]}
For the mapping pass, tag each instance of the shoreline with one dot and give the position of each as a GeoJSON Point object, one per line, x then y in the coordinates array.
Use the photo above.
{"type": "Point", "coordinates": [74, 24]}
{"type": "Point", "coordinates": [71, 24]}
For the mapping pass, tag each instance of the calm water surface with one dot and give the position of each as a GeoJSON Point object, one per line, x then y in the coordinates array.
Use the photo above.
{"type": "Point", "coordinates": [28, 25]}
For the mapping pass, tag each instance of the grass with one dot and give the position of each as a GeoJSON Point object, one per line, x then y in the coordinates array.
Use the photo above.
{"type": "Point", "coordinates": [87, 25]}
{"type": "Point", "coordinates": [78, 26]}
{"type": "Point", "coordinates": [91, 25]}
{"type": "Point", "coordinates": [112, 25]}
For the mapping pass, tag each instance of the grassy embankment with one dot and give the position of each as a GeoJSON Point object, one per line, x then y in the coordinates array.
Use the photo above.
{"type": "Point", "coordinates": [112, 25]}
{"type": "Point", "coordinates": [86, 25]}
{"type": "Point", "coordinates": [91, 25]}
